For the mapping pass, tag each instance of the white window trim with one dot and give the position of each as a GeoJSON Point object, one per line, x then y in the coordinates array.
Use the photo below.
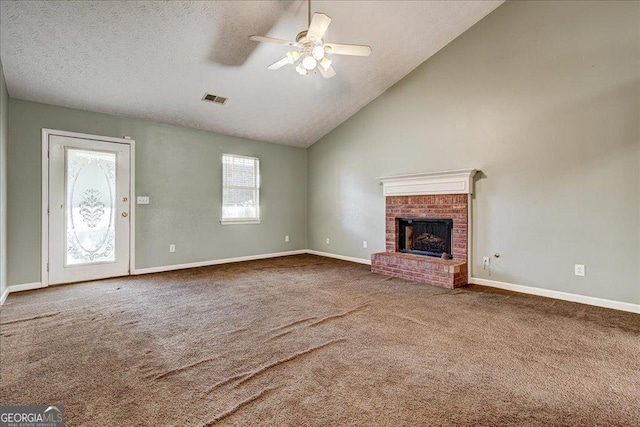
{"type": "Point", "coordinates": [238, 221]}
{"type": "Point", "coordinates": [242, 221]}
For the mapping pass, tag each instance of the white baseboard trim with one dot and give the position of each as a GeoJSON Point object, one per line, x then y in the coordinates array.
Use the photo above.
{"type": "Point", "coordinates": [18, 288]}
{"type": "Point", "coordinates": [342, 257]}
{"type": "Point", "coordinates": [25, 287]}
{"type": "Point", "coordinates": [215, 262]}
{"type": "Point", "coordinates": [583, 299]}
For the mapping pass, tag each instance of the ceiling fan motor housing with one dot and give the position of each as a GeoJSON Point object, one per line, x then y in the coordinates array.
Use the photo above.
{"type": "Point", "coordinates": [301, 35]}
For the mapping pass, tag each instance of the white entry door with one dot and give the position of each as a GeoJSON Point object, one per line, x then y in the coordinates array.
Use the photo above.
{"type": "Point", "coordinates": [89, 201]}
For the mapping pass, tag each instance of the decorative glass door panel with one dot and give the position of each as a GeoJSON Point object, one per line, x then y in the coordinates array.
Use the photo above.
{"type": "Point", "coordinates": [89, 208]}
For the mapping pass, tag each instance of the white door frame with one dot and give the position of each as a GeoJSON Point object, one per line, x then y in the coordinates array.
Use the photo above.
{"type": "Point", "coordinates": [45, 195]}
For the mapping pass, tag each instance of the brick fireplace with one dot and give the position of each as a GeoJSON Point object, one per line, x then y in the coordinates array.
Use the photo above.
{"type": "Point", "coordinates": [441, 197]}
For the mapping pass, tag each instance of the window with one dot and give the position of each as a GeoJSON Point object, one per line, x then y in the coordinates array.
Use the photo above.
{"type": "Point", "coordinates": [240, 189]}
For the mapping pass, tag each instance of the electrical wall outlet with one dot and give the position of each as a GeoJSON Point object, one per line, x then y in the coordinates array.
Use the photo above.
{"type": "Point", "coordinates": [172, 248]}
{"type": "Point", "coordinates": [143, 200]}
{"type": "Point", "coordinates": [485, 262]}
{"type": "Point", "coordinates": [286, 239]}
{"type": "Point", "coordinates": [579, 269]}
{"type": "Point", "coordinates": [328, 240]}
{"type": "Point", "coordinates": [365, 244]}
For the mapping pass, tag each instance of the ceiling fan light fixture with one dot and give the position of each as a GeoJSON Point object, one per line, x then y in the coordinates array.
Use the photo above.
{"type": "Point", "coordinates": [301, 70]}
{"type": "Point", "coordinates": [325, 63]}
{"type": "Point", "coordinates": [318, 52]}
{"type": "Point", "coordinates": [311, 49]}
{"type": "Point", "coordinates": [309, 62]}
{"type": "Point", "coordinates": [293, 56]}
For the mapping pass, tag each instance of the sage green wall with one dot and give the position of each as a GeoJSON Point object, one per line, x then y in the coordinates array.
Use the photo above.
{"type": "Point", "coordinates": [544, 98]}
{"type": "Point", "coordinates": [4, 103]}
{"type": "Point", "coordinates": [180, 169]}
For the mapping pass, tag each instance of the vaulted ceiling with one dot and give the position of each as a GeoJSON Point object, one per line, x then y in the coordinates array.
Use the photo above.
{"type": "Point", "coordinates": [155, 60]}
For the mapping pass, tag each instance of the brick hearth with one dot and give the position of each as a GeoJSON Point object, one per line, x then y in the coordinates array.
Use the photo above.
{"type": "Point", "coordinates": [435, 271]}
{"type": "Point", "coordinates": [438, 272]}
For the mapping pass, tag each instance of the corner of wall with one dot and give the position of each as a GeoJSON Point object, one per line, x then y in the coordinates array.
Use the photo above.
{"type": "Point", "coordinates": [307, 234]}
{"type": "Point", "coordinates": [4, 135]}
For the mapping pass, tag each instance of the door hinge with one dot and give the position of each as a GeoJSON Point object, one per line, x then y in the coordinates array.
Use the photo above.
{"type": "Point", "coordinates": [47, 267]}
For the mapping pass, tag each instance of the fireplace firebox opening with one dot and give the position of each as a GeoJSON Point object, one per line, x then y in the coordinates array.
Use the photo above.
{"type": "Point", "coordinates": [420, 236]}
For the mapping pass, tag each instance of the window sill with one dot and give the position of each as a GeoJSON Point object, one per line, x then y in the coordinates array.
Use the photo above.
{"type": "Point", "coordinates": [239, 221]}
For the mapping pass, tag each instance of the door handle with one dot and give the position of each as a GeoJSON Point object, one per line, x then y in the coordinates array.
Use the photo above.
{"type": "Point", "coordinates": [124, 214]}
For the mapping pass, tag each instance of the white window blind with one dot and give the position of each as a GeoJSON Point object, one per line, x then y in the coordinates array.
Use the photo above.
{"type": "Point", "coordinates": [240, 188]}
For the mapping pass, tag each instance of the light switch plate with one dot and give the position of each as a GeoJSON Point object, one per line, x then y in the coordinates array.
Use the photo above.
{"type": "Point", "coordinates": [143, 200]}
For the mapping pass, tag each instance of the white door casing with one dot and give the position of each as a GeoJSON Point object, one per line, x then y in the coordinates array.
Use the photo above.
{"type": "Point", "coordinates": [89, 222]}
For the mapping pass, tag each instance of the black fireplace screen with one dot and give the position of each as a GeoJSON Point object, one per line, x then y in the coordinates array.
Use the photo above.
{"type": "Point", "coordinates": [425, 236]}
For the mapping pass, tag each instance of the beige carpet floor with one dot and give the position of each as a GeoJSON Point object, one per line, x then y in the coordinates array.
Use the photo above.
{"type": "Point", "coordinates": [311, 341]}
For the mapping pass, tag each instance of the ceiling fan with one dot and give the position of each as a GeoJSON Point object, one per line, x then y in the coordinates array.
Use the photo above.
{"type": "Point", "coordinates": [311, 49]}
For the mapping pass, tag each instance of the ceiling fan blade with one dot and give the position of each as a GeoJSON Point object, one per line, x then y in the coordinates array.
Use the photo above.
{"type": "Point", "coordinates": [319, 24]}
{"type": "Point", "coordinates": [272, 40]}
{"type": "Point", "coordinates": [279, 64]}
{"type": "Point", "coordinates": [328, 73]}
{"type": "Point", "coordinates": [347, 49]}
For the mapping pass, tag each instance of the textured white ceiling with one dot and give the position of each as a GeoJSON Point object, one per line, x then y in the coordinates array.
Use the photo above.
{"type": "Point", "coordinates": [155, 60]}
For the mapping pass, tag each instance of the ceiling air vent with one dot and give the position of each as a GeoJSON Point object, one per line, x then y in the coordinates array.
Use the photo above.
{"type": "Point", "coordinates": [214, 98]}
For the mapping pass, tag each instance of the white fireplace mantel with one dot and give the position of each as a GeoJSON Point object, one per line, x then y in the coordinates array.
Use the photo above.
{"type": "Point", "coordinates": [445, 182]}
